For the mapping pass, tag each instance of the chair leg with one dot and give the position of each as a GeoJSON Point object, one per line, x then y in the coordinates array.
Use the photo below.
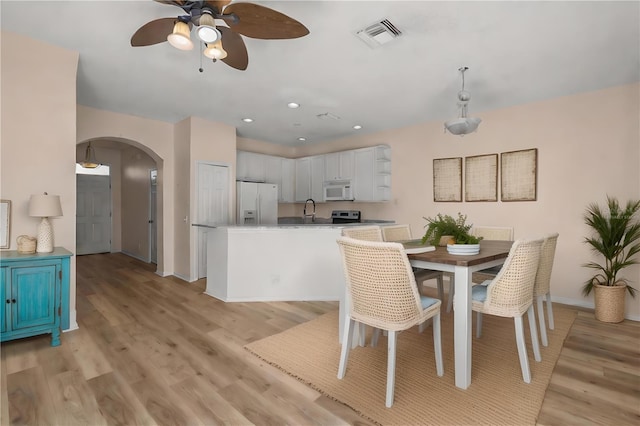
{"type": "Point", "coordinates": [347, 337]}
{"type": "Point", "coordinates": [437, 345]}
{"type": "Point", "coordinates": [362, 333]}
{"type": "Point", "coordinates": [549, 310]}
{"type": "Point", "coordinates": [522, 349]}
{"type": "Point", "coordinates": [452, 288]}
{"type": "Point", "coordinates": [478, 324]}
{"type": "Point", "coordinates": [391, 367]}
{"type": "Point", "coordinates": [543, 327]}
{"type": "Point", "coordinates": [440, 287]}
{"type": "Point", "coordinates": [374, 337]}
{"type": "Point", "coordinates": [534, 333]}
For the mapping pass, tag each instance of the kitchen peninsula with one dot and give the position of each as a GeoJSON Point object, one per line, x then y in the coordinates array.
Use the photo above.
{"type": "Point", "coordinates": [274, 263]}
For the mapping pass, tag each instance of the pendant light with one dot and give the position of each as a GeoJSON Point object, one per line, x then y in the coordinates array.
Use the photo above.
{"type": "Point", "coordinates": [462, 125]}
{"type": "Point", "coordinates": [90, 161]}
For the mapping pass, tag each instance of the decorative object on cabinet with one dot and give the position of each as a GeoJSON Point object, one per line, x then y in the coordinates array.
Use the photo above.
{"type": "Point", "coordinates": [616, 239]}
{"type": "Point", "coordinates": [36, 294]}
{"type": "Point", "coordinates": [90, 161]}
{"type": "Point", "coordinates": [481, 178]}
{"type": "Point", "coordinates": [26, 244]}
{"type": "Point", "coordinates": [463, 125]}
{"type": "Point", "coordinates": [447, 179]}
{"type": "Point", "coordinates": [45, 206]}
{"type": "Point", "coordinates": [5, 223]}
{"type": "Point", "coordinates": [519, 175]}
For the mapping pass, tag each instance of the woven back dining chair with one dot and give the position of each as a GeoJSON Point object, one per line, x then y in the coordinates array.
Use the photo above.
{"type": "Point", "coordinates": [496, 233]}
{"type": "Point", "coordinates": [383, 294]}
{"type": "Point", "coordinates": [366, 232]}
{"type": "Point", "coordinates": [510, 294]}
{"type": "Point", "coordinates": [542, 288]}
{"type": "Point", "coordinates": [403, 233]}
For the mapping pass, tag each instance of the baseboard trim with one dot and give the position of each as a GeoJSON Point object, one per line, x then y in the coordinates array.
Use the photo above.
{"type": "Point", "coordinates": [588, 305]}
{"type": "Point", "coordinates": [73, 323]}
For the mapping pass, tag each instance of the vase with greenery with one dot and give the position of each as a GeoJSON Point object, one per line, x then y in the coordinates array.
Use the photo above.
{"type": "Point", "coordinates": [446, 225]}
{"type": "Point", "coordinates": [616, 239]}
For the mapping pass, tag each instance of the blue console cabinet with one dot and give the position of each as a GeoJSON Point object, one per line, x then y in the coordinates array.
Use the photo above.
{"type": "Point", "coordinates": [35, 294]}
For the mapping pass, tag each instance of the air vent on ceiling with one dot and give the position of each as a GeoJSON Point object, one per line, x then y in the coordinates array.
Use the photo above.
{"type": "Point", "coordinates": [379, 33]}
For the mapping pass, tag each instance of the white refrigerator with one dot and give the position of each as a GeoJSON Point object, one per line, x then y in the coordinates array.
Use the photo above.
{"type": "Point", "coordinates": [257, 203]}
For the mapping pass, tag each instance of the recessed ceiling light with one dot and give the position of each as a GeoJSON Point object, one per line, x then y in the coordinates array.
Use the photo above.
{"type": "Point", "coordinates": [248, 120]}
{"type": "Point", "coordinates": [293, 105]}
{"type": "Point", "coordinates": [357, 127]}
{"type": "Point", "coordinates": [302, 139]}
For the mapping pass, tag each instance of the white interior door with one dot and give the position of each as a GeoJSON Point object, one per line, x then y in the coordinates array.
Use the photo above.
{"type": "Point", "coordinates": [212, 206]}
{"type": "Point", "coordinates": [93, 214]}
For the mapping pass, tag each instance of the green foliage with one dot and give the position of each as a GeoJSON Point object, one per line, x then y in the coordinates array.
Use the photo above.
{"type": "Point", "coordinates": [446, 225]}
{"type": "Point", "coordinates": [616, 237]}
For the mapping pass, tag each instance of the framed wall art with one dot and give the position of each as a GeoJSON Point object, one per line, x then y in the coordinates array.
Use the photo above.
{"type": "Point", "coordinates": [481, 178]}
{"type": "Point", "coordinates": [5, 223]}
{"type": "Point", "coordinates": [519, 175]}
{"type": "Point", "coordinates": [447, 179]}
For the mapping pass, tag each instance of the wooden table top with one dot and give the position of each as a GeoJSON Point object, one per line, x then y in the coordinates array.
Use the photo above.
{"type": "Point", "coordinates": [489, 250]}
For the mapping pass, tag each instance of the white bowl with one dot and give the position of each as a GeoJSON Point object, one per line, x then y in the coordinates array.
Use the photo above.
{"type": "Point", "coordinates": [463, 249]}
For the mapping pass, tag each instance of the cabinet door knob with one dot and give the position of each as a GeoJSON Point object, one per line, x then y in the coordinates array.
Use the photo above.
{"type": "Point", "coordinates": [13, 300]}
{"type": "Point", "coordinates": [8, 301]}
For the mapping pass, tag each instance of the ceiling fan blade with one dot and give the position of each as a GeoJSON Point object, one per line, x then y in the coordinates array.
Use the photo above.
{"type": "Point", "coordinates": [261, 22]}
{"type": "Point", "coordinates": [178, 3]}
{"type": "Point", "coordinates": [236, 50]}
{"type": "Point", "coordinates": [217, 5]}
{"type": "Point", "coordinates": [153, 32]}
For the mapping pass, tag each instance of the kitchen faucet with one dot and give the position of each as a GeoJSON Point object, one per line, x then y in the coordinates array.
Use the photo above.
{"type": "Point", "coordinates": [312, 215]}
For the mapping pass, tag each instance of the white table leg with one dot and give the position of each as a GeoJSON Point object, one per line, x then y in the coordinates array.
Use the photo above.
{"type": "Point", "coordinates": [462, 327]}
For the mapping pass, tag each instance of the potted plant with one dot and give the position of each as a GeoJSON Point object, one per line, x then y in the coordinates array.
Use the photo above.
{"type": "Point", "coordinates": [616, 238]}
{"type": "Point", "coordinates": [456, 230]}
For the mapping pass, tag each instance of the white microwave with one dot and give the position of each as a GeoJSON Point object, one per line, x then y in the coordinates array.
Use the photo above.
{"type": "Point", "coordinates": [338, 190]}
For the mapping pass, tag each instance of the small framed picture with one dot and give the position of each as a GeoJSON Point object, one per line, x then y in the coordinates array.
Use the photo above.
{"type": "Point", "coordinates": [519, 175]}
{"type": "Point", "coordinates": [5, 223]}
{"type": "Point", "coordinates": [481, 178]}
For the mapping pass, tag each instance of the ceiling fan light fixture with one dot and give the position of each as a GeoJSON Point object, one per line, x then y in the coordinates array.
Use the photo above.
{"type": "Point", "coordinates": [463, 125]}
{"type": "Point", "coordinates": [207, 30]}
{"type": "Point", "coordinates": [180, 38]}
{"type": "Point", "coordinates": [215, 50]}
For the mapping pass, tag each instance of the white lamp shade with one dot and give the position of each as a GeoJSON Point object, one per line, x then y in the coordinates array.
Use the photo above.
{"type": "Point", "coordinates": [180, 38]}
{"type": "Point", "coordinates": [45, 206]}
{"type": "Point", "coordinates": [462, 126]}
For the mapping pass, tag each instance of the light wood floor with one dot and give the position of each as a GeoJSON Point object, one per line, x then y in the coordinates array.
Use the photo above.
{"type": "Point", "coordinates": [154, 350]}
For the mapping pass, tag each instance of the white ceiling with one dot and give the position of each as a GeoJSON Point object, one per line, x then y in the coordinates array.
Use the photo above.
{"type": "Point", "coordinates": [517, 52]}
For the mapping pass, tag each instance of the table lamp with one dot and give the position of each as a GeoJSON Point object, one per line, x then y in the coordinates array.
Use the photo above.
{"type": "Point", "coordinates": [45, 206]}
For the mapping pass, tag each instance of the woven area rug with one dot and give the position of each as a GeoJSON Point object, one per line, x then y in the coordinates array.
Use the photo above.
{"type": "Point", "coordinates": [497, 395]}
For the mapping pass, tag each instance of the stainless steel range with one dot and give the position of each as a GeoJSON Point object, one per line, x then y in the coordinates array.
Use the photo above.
{"type": "Point", "coordinates": [345, 216]}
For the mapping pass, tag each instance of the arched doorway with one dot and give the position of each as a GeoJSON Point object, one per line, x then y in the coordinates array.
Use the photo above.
{"type": "Point", "coordinates": [135, 196]}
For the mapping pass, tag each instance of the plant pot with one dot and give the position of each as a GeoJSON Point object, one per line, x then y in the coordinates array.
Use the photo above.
{"type": "Point", "coordinates": [609, 302]}
{"type": "Point", "coordinates": [463, 249]}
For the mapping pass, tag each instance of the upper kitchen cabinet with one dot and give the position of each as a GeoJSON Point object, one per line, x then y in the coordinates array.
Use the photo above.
{"type": "Point", "coordinates": [339, 165]}
{"type": "Point", "coordinates": [309, 178]}
{"type": "Point", "coordinates": [250, 166]}
{"type": "Point", "coordinates": [286, 190]}
{"type": "Point", "coordinates": [372, 174]}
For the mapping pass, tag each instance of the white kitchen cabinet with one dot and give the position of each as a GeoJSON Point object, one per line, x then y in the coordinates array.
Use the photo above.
{"type": "Point", "coordinates": [339, 165]}
{"type": "Point", "coordinates": [250, 166]}
{"type": "Point", "coordinates": [317, 178]}
{"type": "Point", "coordinates": [286, 189]}
{"type": "Point", "coordinates": [372, 174]}
{"type": "Point", "coordinates": [310, 178]}
{"type": "Point", "coordinates": [273, 169]}
{"type": "Point", "coordinates": [303, 179]}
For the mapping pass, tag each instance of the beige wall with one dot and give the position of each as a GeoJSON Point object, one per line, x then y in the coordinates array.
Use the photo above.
{"type": "Point", "coordinates": [38, 137]}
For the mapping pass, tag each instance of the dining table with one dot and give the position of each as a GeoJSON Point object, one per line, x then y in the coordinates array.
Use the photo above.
{"type": "Point", "coordinates": [492, 253]}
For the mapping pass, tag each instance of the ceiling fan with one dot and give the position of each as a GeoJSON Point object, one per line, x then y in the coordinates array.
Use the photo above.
{"type": "Point", "coordinates": [248, 19]}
